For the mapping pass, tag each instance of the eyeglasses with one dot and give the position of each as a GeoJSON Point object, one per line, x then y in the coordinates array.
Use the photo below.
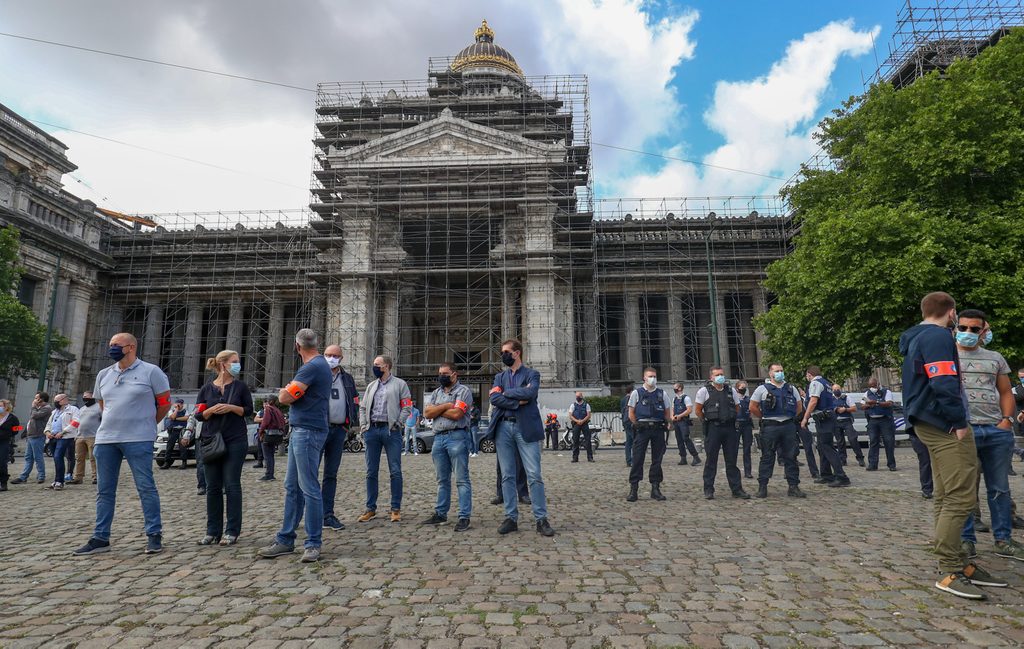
{"type": "Point", "coordinates": [973, 330]}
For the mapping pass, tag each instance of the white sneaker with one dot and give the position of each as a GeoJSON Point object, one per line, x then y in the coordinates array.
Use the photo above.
{"type": "Point", "coordinates": [472, 455]}
{"type": "Point", "coordinates": [404, 453]}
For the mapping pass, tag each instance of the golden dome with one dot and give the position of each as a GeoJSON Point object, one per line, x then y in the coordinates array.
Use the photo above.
{"type": "Point", "coordinates": [485, 54]}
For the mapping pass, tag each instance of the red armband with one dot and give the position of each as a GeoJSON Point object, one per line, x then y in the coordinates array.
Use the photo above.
{"type": "Point", "coordinates": [461, 405]}
{"type": "Point", "coordinates": [942, 368]}
{"type": "Point", "coordinates": [163, 400]}
{"type": "Point", "coordinates": [496, 390]}
{"type": "Point", "coordinates": [75, 424]}
{"type": "Point", "coordinates": [17, 429]}
{"type": "Point", "coordinates": [200, 408]}
{"type": "Point", "coordinates": [294, 390]}
{"type": "Point", "coordinates": [355, 399]}
{"type": "Point", "coordinates": [405, 403]}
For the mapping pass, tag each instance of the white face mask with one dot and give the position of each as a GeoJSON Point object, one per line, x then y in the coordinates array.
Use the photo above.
{"type": "Point", "coordinates": [2, 410]}
{"type": "Point", "coordinates": [333, 361]}
{"type": "Point", "coordinates": [651, 381]}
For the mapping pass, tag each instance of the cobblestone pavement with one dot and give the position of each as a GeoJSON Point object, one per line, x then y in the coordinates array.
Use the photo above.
{"type": "Point", "coordinates": [845, 567]}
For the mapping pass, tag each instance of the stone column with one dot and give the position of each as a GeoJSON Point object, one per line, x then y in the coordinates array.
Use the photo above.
{"type": "Point", "coordinates": [275, 337]}
{"type": "Point", "coordinates": [389, 322]}
{"type": "Point", "coordinates": [76, 323]}
{"type": "Point", "coordinates": [723, 334]}
{"type": "Point", "coordinates": [634, 360]}
{"type": "Point", "coordinates": [318, 317]}
{"type": "Point", "coordinates": [236, 313]}
{"type": "Point", "coordinates": [588, 331]}
{"type": "Point", "coordinates": [190, 354]}
{"type": "Point", "coordinates": [677, 338]}
{"type": "Point", "coordinates": [153, 334]}
{"type": "Point", "coordinates": [760, 306]}
{"type": "Point", "coordinates": [508, 312]}
{"type": "Point", "coordinates": [351, 323]}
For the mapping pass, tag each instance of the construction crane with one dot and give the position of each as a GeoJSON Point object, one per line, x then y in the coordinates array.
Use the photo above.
{"type": "Point", "coordinates": [141, 220]}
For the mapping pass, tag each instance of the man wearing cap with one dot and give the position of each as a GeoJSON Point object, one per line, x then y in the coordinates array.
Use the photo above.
{"type": "Point", "coordinates": [174, 425]}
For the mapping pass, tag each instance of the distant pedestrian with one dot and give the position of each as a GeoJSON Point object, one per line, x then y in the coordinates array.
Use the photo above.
{"type": "Point", "coordinates": [62, 430]}
{"type": "Point", "coordinates": [134, 395]}
{"type": "Point", "coordinates": [579, 415]}
{"type": "Point", "coordinates": [174, 426]}
{"type": "Point", "coordinates": [412, 423]}
{"type": "Point", "coordinates": [9, 428]}
{"type": "Point", "coordinates": [225, 403]}
{"type": "Point", "coordinates": [88, 420]}
{"type": "Point", "coordinates": [308, 396]}
{"type": "Point", "coordinates": [35, 439]}
{"type": "Point", "coordinates": [271, 434]}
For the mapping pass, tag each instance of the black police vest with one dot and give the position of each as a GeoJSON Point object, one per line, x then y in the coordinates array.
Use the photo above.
{"type": "Point", "coordinates": [744, 414]}
{"type": "Point", "coordinates": [720, 405]}
{"type": "Point", "coordinates": [842, 403]}
{"type": "Point", "coordinates": [579, 410]}
{"type": "Point", "coordinates": [827, 401]}
{"type": "Point", "coordinates": [679, 405]}
{"type": "Point", "coordinates": [649, 405]}
{"type": "Point", "coordinates": [878, 411]}
{"type": "Point", "coordinates": [781, 402]}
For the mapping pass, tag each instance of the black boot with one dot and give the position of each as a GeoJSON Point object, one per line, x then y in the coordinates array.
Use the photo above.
{"type": "Point", "coordinates": [762, 491]}
{"type": "Point", "coordinates": [656, 492]}
{"type": "Point", "coordinates": [632, 492]}
{"type": "Point", "coordinates": [795, 492]}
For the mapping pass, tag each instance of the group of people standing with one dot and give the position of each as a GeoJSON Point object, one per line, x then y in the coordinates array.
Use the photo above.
{"type": "Point", "coordinates": [131, 396]}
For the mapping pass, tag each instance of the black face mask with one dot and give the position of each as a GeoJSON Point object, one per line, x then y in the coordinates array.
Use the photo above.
{"type": "Point", "coordinates": [88, 402]}
{"type": "Point", "coordinates": [579, 399]}
{"type": "Point", "coordinates": [837, 392]}
{"type": "Point", "coordinates": [741, 390]}
{"type": "Point", "coordinates": [508, 359]}
{"type": "Point", "coordinates": [444, 380]}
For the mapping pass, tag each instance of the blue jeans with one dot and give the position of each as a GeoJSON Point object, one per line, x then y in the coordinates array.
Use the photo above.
{"type": "Point", "coordinates": [108, 471]}
{"type": "Point", "coordinates": [409, 442]}
{"type": "Point", "coordinates": [379, 437]}
{"type": "Point", "coordinates": [510, 442]}
{"type": "Point", "coordinates": [331, 460]}
{"type": "Point", "coordinates": [60, 453]}
{"type": "Point", "coordinates": [451, 453]}
{"type": "Point", "coordinates": [224, 478]}
{"type": "Point", "coordinates": [994, 445]}
{"type": "Point", "coordinates": [301, 488]}
{"type": "Point", "coordinates": [34, 455]}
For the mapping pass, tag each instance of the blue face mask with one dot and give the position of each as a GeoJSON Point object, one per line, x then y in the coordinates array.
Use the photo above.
{"type": "Point", "coordinates": [235, 369]}
{"type": "Point", "coordinates": [377, 372]}
{"type": "Point", "coordinates": [779, 376]}
{"type": "Point", "coordinates": [988, 337]}
{"type": "Point", "coordinates": [116, 352]}
{"type": "Point", "coordinates": [720, 379]}
{"type": "Point", "coordinates": [967, 338]}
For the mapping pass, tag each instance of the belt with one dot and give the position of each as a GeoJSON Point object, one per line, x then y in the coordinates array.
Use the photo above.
{"type": "Point", "coordinates": [511, 419]}
{"type": "Point", "coordinates": [379, 423]}
{"type": "Point", "coordinates": [777, 422]}
{"type": "Point", "coordinates": [450, 430]}
{"type": "Point", "coordinates": [650, 423]}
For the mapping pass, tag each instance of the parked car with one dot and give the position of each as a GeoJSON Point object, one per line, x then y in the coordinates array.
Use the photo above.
{"type": "Point", "coordinates": [425, 437]}
{"type": "Point", "coordinates": [160, 445]}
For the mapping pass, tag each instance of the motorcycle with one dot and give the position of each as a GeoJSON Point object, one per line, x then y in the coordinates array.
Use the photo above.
{"type": "Point", "coordinates": [565, 443]}
{"type": "Point", "coordinates": [354, 442]}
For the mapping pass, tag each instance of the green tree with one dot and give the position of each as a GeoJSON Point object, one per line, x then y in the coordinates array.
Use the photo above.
{"type": "Point", "coordinates": [21, 333]}
{"type": "Point", "coordinates": [927, 194]}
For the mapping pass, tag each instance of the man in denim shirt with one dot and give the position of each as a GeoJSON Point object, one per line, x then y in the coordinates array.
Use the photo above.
{"type": "Point", "coordinates": [449, 407]}
{"type": "Point", "coordinates": [517, 429]}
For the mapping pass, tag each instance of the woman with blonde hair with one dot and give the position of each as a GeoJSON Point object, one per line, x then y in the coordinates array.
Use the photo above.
{"type": "Point", "coordinates": [9, 428]}
{"type": "Point", "coordinates": [224, 404]}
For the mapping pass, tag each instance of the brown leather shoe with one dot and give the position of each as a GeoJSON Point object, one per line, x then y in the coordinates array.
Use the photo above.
{"type": "Point", "coordinates": [75, 481]}
{"type": "Point", "coordinates": [396, 515]}
{"type": "Point", "coordinates": [367, 515]}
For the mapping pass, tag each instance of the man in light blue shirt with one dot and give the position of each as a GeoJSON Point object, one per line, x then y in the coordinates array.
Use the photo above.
{"type": "Point", "coordinates": [411, 428]}
{"type": "Point", "coordinates": [133, 396]}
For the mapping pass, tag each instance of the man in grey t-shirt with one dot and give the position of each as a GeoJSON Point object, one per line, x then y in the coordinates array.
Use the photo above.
{"type": "Point", "coordinates": [133, 396]}
{"type": "Point", "coordinates": [449, 409]}
{"type": "Point", "coordinates": [991, 410]}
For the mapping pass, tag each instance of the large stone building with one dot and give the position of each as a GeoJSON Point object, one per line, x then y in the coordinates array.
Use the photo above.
{"type": "Point", "coordinates": [447, 214]}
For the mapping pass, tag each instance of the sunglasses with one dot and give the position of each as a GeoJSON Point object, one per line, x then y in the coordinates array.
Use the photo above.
{"type": "Point", "coordinates": [973, 330]}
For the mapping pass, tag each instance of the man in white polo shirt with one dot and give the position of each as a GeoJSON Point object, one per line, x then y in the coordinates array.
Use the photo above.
{"type": "Point", "coordinates": [133, 396]}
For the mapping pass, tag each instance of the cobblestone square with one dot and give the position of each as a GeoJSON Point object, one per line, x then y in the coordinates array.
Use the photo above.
{"type": "Point", "coordinates": [845, 567]}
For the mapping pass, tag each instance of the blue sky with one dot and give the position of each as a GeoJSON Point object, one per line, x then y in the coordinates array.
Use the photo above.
{"type": "Point", "coordinates": [737, 83]}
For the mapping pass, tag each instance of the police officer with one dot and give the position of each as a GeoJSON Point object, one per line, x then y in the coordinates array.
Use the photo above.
{"type": "Point", "coordinates": [878, 405]}
{"type": "Point", "coordinates": [806, 440]}
{"type": "Point", "coordinates": [579, 415]}
{"type": "Point", "coordinates": [682, 408]}
{"type": "Point", "coordinates": [627, 427]}
{"type": "Point", "coordinates": [777, 404]}
{"type": "Point", "coordinates": [821, 405]}
{"type": "Point", "coordinates": [745, 427]}
{"type": "Point", "coordinates": [650, 411]}
{"type": "Point", "coordinates": [717, 406]}
{"type": "Point", "coordinates": [846, 435]}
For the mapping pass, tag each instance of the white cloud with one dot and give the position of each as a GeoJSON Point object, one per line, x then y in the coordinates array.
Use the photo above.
{"type": "Point", "coordinates": [766, 122]}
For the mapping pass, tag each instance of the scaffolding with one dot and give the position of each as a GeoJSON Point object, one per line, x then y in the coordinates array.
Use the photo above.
{"type": "Point", "coordinates": [932, 35]}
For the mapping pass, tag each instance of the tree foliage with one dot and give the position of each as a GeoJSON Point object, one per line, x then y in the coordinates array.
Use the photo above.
{"type": "Point", "coordinates": [21, 334]}
{"type": "Point", "coordinates": [927, 194]}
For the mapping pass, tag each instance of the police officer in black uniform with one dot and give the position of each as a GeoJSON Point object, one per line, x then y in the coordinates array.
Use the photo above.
{"type": "Point", "coordinates": [745, 427]}
{"type": "Point", "coordinates": [682, 408]}
{"type": "Point", "coordinates": [821, 405]}
{"type": "Point", "coordinates": [846, 434]}
{"type": "Point", "coordinates": [878, 405]}
{"type": "Point", "coordinates": [717, 405]}
{"type": "Point", "coordinates": [777, 404]}
{"type": "Point", "coordinates": [579, 415]}
{"type": "Point", "coordinates": [650, 410]}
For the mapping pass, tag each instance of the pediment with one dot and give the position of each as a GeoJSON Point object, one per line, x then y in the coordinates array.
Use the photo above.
{"type": "Point", "coordinates": [446, 139]}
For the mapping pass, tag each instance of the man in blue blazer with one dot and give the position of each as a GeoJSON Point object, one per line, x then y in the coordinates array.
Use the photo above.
{"type": "Point", "coordinates": [516, 428]}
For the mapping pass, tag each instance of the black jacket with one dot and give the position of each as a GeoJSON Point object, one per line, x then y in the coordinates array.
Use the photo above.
{"type": "Point", "coordinates": [352, 397]}
{"type": "Point", "coordinates": [9, 430]}
{"type": "Point", "coordinates": [932, 388]}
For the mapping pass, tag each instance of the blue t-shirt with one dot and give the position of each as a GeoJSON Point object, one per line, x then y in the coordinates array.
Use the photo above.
{"type": "Point", "coordinates": [311, 410]}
